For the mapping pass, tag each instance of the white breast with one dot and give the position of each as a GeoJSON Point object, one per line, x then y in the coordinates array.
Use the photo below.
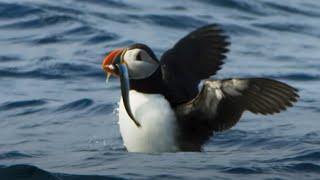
{"type": "Point", "coordinates": [158, 124]}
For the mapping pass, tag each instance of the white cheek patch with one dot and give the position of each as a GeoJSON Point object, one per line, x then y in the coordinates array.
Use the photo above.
{"type": "Point", "coordinates": [139, 68]}
{"type": "Point", "coordinates": [131, 55]}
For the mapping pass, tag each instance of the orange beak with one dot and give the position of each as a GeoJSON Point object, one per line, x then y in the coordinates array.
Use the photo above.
{"type": "Point", "coordinates": [109, 61]}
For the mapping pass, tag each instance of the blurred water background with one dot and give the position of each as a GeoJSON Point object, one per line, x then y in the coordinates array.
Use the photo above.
{"type": "Point", "coordinates": [57, 116]}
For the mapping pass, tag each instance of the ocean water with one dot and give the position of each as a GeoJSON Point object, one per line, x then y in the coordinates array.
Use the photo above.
{"type": "Point", "coordinates": [58, 118]}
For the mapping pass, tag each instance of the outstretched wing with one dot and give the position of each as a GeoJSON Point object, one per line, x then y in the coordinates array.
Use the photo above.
{"type": "Point", "coordinates": [220, 104]}
{"type": "Point", "coordinates": [195, 57]}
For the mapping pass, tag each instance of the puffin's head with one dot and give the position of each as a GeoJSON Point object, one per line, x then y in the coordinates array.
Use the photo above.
{"type": "Point", "coordinates": [134, 62]}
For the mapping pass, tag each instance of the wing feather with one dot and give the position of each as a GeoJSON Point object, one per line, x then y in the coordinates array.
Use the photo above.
{"type": "Point", "coordinates": [221, 103]}
{"type": "Point", "coordinates": [197, 56]}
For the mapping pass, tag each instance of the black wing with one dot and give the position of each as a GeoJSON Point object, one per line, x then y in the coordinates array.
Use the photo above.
{"type": "Point", "coordinates": [220, 104]}
{"type": "Point", "coordinates": [195, 57]}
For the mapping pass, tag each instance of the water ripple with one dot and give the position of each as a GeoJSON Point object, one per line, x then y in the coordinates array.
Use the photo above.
{"type": "Point", "coordinates": [102, 38]}
{"type": "Point", "coordinates": [75, 105]}
{"type": "Point", "coordinates": [40, 22]}
{"type": "Point", "coordinates": [9, 10]}
{"type": "Point", "coordinates": [108, 3]}
{"type": "Point", "coordinates": [292, 10]}
{"type": "Point", "coordinates": [243, 170]}
{"type": "Point", "coordinates": [53, 70]}
{"type": "Point", "coordinates": [289, 27]}
{"type": "Point", "coordinates": [22, 171]}
{"type": "Point", "coordinates": [21, 104]}
{"type": "Point", "coordinates": [82, 30]}
{"type": "Point", "coordinates": [13, 155]}
{"type": "Point", "coordinates": [296, 76]}
{"type": "Point", "coordinates": [244, 6]}
{"type": "Point", "coordinates": [172, 21]}
{"type": "Point", "coordinates": [65, 9]}
{"type": "Point", "coordinates": [240, 30]}
{"type": "Point", "coordinates": [309, 155]}
{"type": "Point", "coordinates": [102, 109]}
{"type": "Point", "coordinates": [29, 111]}
{"type": "Point", "coordinates": [303, 167]}
{"type": "Point", "coordinates": [8, 58]}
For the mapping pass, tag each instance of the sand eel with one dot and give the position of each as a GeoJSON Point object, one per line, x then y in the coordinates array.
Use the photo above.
{"type": "Point", "coordinates": [164, 109]}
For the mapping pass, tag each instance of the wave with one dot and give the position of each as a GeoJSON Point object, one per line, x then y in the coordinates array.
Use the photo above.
{"type": "Point", "coordinates": [108, 3]}
{"type": "Point", "coordinates": [304, 156]}
{"type": "Point", "coordinates": [26, 107]}
{"type": "Point", "coordinates": [40, 22]}
{"type": "Point", "coordinates": [172, 21]}
{"type": "Point", "coordinates": [296, 76]}
{"type": "Point", "coordinates": [168, 21]}
{"type": "Point", "coordinates": [13, 155]}
{"type": "Point", "coordinates": [279, 169]}
{"type": "Point", "coordinates": [29, 172]}
{"type": "Point", "coordinates": [8, 58]}
{"type": "Point", "coordinates": [60, 9]}
{"type": "Point", "coordinates": [86, 34]}
{"type": "Point", "coordinates": [102, 109]}
{"type": "Point", "coordinates": [289, 27]}
{"type": "Point", "coordinates": [251, 7]}
{"type": "Point", "coordinates": [292, 10]}
{"type": "Point", "coordinates": [75, 105]}
{"type": "Point", "coordinates": [243, 170]}
{"type": "Point", "coordinates": [265, 8]}
{"type": "Point", "coordinates": [240, 30]}
{"type": "Point", "coordinates": [53, 70]}
{"type": "Point", "coordinates": [21, 104]}
{"type": "Point", "coordinates": [303, 167]}
{"type": "Point", "coordinates": [13, 10]}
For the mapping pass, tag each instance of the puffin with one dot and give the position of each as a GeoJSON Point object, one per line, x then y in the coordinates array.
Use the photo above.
{"type": "Point", "coordinates": [174, 104]}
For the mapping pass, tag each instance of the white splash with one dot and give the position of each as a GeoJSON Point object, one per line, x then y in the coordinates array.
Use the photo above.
{"type": "Point", "coordinates": [158, 124]}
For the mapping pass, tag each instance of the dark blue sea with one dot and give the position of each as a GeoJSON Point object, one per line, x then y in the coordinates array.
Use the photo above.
{"type": "Point", "coordinates": [58, 117]}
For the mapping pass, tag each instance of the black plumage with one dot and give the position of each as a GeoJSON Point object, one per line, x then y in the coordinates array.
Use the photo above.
{"type": "Point", "coordinates": [197, 56]}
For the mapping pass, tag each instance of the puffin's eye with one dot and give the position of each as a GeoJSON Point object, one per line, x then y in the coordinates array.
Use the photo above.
{"type": "Point", "coordinates": [139, 58]}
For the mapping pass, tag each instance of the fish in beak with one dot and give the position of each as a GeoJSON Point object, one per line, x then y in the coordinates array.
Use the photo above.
{"type": "Point", "coordinates": [114, 64]}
